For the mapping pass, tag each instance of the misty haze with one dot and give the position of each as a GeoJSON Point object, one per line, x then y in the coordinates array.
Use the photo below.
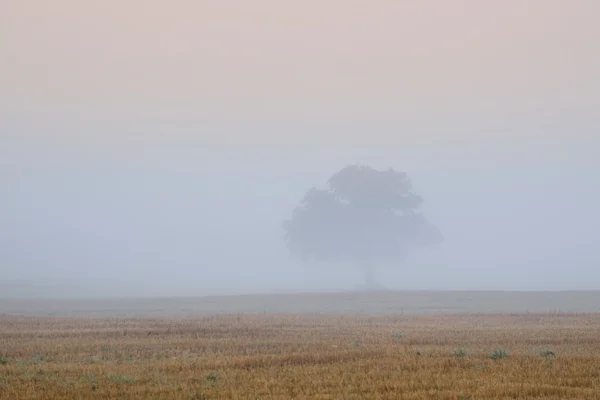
{"type": "Point", "coordinates": [324, 199]}
{"type": "Point", "coordinates": [160, 159]}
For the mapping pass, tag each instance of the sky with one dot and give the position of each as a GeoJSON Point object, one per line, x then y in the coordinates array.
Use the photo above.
{"type": "Point", "coordinates": [154, 148]}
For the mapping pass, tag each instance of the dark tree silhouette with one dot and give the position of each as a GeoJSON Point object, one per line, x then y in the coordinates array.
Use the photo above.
{"type": "Point", "coordinates": [365, 217]}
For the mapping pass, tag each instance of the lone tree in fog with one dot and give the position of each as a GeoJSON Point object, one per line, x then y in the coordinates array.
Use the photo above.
{"type": "Point", "coordinates": [365, 217]}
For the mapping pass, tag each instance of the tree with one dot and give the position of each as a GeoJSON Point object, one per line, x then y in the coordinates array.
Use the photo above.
{"type": "Point", "coordinates": [365, 216]}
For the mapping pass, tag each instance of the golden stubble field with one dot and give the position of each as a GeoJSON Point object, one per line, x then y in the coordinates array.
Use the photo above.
{"type": "Point", "coordinates": [262, 356]}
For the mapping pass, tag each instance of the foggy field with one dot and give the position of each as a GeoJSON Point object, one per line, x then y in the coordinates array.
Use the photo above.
{"type": "Point", "coordinates": [302, 356]}
{"type": "Point", "coordinates": [201, 200]}
{"type": "Point", "coordinates": [451, 302]}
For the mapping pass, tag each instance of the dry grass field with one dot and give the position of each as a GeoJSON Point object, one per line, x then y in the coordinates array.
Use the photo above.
{"type": "Point", "coordinates": [303, 356]}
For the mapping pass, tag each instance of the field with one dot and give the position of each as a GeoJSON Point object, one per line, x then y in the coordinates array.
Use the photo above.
{"type": "Point", "coordinates": [340, 354]}
{"type": "Point", "coordinates": [391, 303]}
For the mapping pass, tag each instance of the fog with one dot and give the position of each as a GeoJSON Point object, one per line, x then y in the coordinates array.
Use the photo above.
{"type": "Point", "coordinates": [135, 167]}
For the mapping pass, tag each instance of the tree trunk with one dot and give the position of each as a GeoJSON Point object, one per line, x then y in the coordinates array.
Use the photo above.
{"type": "Point", "coordinates": [369, 277]}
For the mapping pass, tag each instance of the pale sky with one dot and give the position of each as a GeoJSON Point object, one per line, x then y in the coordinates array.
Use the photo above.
{"type": "Point", "coordinates": [211, 118]}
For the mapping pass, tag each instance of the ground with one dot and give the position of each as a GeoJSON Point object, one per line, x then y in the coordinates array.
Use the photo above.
{"type": "Point", "coordinates": [351, 351]}
{"type": "Point", "coordinates": [385, 302]}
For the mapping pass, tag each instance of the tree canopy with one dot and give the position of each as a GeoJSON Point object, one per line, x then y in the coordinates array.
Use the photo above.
{"type": "Point", "coordinates": [364, 216]}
